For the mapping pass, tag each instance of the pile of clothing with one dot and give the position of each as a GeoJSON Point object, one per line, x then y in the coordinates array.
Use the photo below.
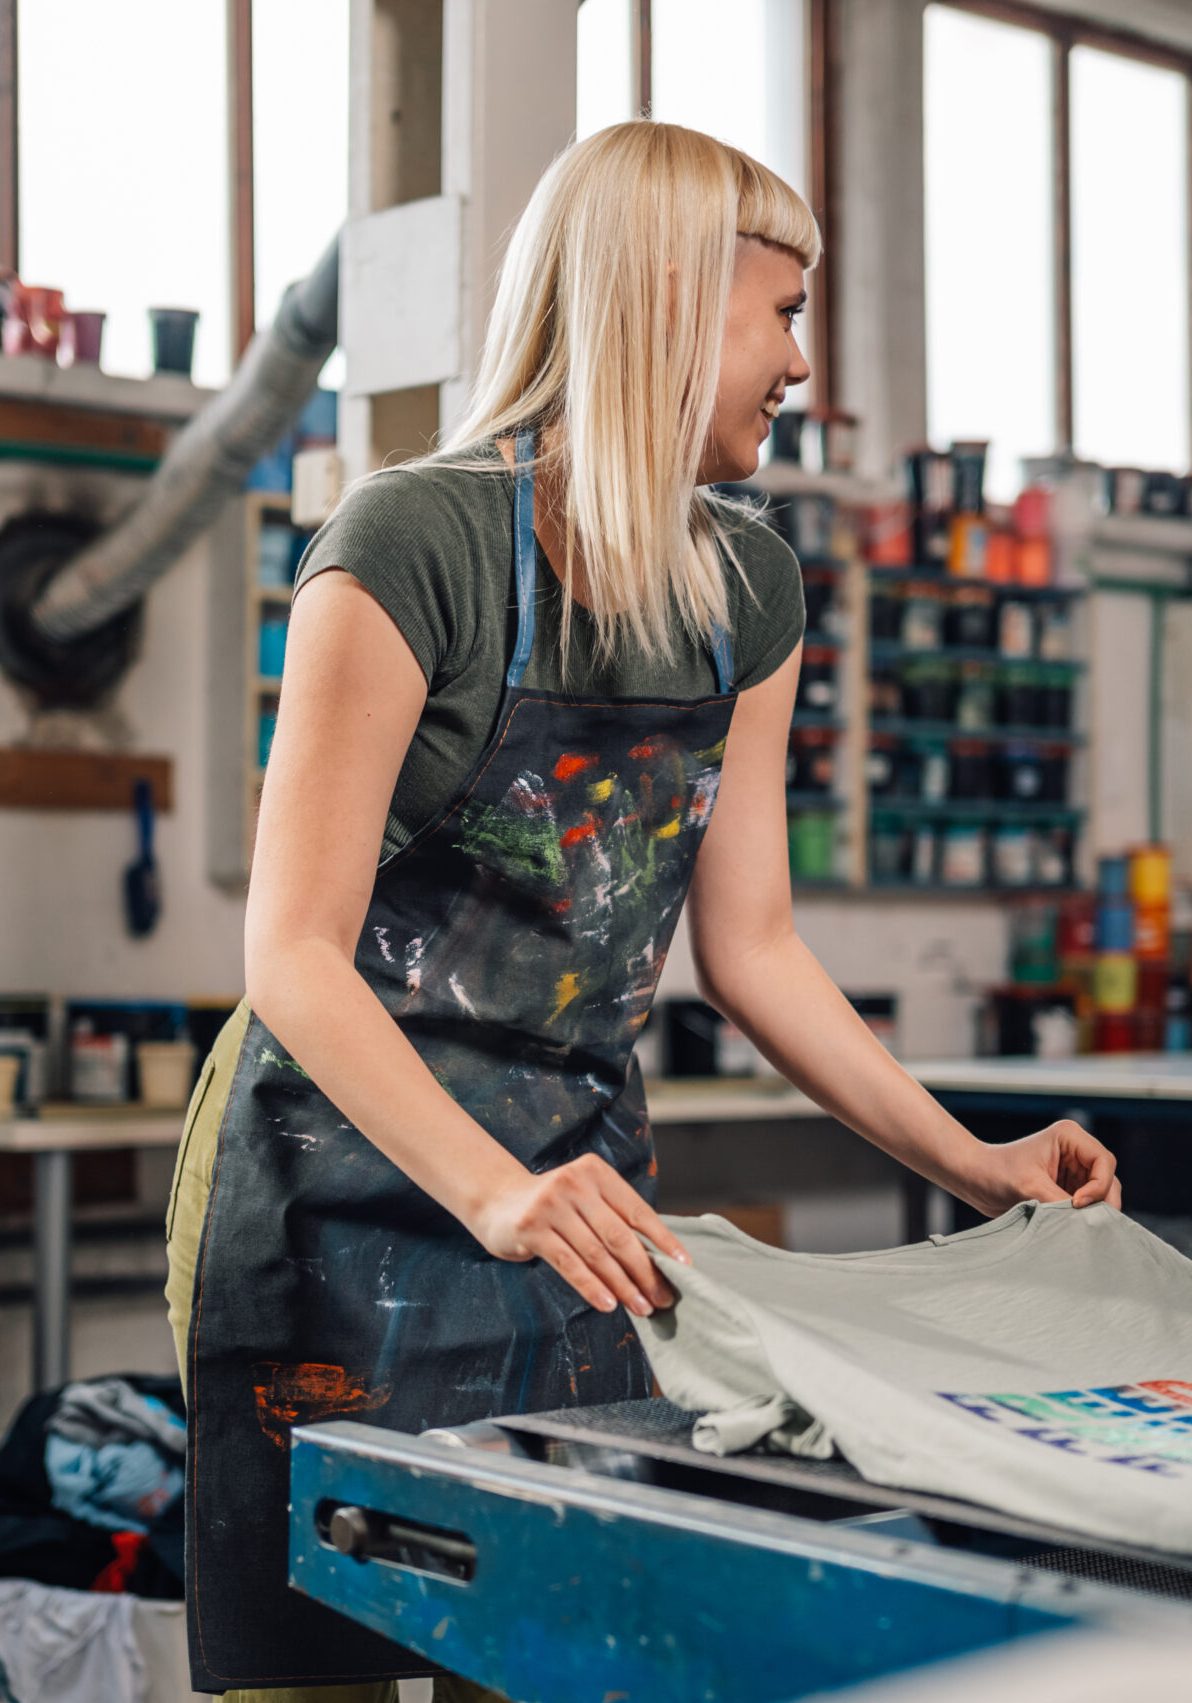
{"type": "Point", "coordinates": [91, 1478]}
{"type": "Point", "coordinates": [91, 1510]}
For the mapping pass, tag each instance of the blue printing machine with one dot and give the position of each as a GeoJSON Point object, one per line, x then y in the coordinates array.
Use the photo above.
{"type": "Point", "coordinates": [594, 1556]}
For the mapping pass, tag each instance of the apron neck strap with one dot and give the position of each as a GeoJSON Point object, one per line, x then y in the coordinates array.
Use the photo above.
{"type": "Point", "coordinates": [526, 555]}
{"type": "Point", "coordinates": [527, 574]}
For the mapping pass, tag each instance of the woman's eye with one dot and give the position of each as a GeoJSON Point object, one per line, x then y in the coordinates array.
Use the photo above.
{"type": "Point", "coordinates": [791, 314]}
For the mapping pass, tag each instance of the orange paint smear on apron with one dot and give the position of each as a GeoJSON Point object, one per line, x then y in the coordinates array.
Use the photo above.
{"type": "Point", "coordinates": [571, 764]}
{"type": "Point", "coordinates": [296, 1395]}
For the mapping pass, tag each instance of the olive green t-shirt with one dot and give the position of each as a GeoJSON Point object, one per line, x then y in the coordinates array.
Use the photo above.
{"type": "Point", "coordinates": [434, 546]}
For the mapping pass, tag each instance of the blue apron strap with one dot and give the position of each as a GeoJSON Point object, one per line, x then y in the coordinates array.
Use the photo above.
{"type": "Point", "coordinates": [526, 556]}
{"type": "Point", "coordinates": [722, 655]}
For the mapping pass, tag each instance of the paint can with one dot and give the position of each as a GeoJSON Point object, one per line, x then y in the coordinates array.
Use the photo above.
{"type": "Point", "coordinates": [1150, 875]}
{"type": "Point", "coordinates": [1152, 932]}
{"type": "Point", "coordinates": [1115, 982]}
{"type": "Point", "coordinates": [1115, 925]}
{"type": "Point", "coordinates": [1113, 877]}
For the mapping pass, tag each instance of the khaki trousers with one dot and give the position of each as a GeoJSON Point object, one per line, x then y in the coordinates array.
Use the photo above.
{"type": "Point", "coordinates": [184, 1224]}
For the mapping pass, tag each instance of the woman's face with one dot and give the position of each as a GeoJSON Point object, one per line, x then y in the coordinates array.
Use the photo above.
{"type": "Point", "coordinates": [760, 357]}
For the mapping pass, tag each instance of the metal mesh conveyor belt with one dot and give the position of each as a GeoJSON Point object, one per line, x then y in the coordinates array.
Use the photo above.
{"type": "Point", "coordinates": [657, 1435]}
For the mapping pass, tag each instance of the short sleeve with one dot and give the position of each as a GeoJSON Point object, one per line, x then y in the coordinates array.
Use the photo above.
{"type": "Point", "coordinates": [768, 625]}
{"type": "Point", "coordinates": [396, 535]}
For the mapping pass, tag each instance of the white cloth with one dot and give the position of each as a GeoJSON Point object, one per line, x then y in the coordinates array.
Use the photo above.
{"type": "Point", "coordinates": [60, 1646]}
{"type": "Point", "coordinates": [1041, 1363]}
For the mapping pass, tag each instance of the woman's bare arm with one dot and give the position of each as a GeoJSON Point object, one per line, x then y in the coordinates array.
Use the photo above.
{"type": "Point", "coordinates": [351, 698]}
{"type": "Point", "coordinates": [754, 968]}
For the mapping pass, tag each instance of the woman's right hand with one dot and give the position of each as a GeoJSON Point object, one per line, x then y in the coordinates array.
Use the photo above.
{"type": "Point", "coordinates": [582, 1218]}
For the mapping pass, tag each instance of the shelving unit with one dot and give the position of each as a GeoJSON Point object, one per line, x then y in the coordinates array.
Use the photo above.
{"type": "Point", "coordinates": [240, 694]}
{"type": "Point", "coordinates": [844, 629]}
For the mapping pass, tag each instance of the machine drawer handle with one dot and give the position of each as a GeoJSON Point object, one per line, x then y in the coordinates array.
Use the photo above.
{"type": "Point", "coordinates": [369, 1535]}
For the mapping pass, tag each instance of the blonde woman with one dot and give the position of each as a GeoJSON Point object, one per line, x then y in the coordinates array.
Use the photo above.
{"type": "Point", "coordinates": [521, 673]}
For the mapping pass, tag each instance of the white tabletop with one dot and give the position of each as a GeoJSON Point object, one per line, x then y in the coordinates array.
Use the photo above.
{"type": "Point", "coordinates": [1135, 1076]}
{"type": "Point", "coordinates": [62, 1127]}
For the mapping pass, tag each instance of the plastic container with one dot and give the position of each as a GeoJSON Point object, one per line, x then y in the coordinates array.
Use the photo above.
{"type": "Point", "coordinates": [266, 728]}
{"type": "Point", "coordinates": [933, 771]}
{"type": "Point", "coordinates": [811, 839]}
{"type": "Point", "coordinates": [10, 1069]}
{"type": "Point", "coordinates": [1033, 944]}
{"type": "Point", "coordinates": [1113, 877]}
{"type": "Point", "coordinates": [962, 855]}
{"type": "Point", "coordinates": [1020, 774]}
{"type": "Point", "coordinates": [1077, 926]}
{"type": "Point", "coordinates": [166, 1071]}
{"type": "Point", "coordinates": [976, 696]}
{"type": "Point", "coordinates": [1114, 930]}
{"type": "Point", "coordinates": [812, 759]}
{"type": "Point", "coordinates": [272, 649]}
{"type": "Point", "coordinates": [173, 334]}
{"type": "Point", "coordinates": [1152, 932]}
{"type": "Point", "coordinates": [1017, 696]}
{"type": "Point", "coordinates": [922, 617]}
{"type": "Point", "coordinates": [971, 770]}
{"type": "Point", "coordinates": [1054, 697]}
{"type": "Point", "coordinates": [1115, 982]}
{"type": "Point", "coordinates": [1150, 875]}
{"type": "Point", "coordinates": [885, 609]}
{"type": "Point", "coordinates": [1012, 855]}
{"type": "Point", "coordinates": [817, 680]}
{"type": "Point", "coordinates": [970, 618]}
{"type": "Point", "coordinates": [1113, 1032]}
{"type": "Point", "coordinates": [1016, 629]}
{"type": "Point", "coordinates": [929, 691]}
{"type": "Point", "coordinates": [1055, 854]}
{"type": "Point", "coordinates": [889, 848]}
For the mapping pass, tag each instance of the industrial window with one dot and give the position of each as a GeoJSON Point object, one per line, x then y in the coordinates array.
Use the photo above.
{"type": "Point", "coordinates": [988, 231]}
{"type": "Point", "coordinates": [1056, 229]}
{"type": "Point", "coordinates": [1129, 262]}
{"type": "Point", "coordinates": [299, 145]}
{"type": "Point", "coordinates": [123, 169]}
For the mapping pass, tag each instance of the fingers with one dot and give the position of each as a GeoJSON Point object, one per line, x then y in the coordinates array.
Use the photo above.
{"type": "Point", "coordinates": [614, 1251]}
{"type": "Point", "coordinates": [1089, 1166]}
{"type": "Point", "coordinates": [638, 1215]}
{"type": "Point", "coordinates": [1099, 1181]}
{"type": "Point", "coordinates": [569, 1265]}
{"type": "Point", "coordinates": [589, 1217]}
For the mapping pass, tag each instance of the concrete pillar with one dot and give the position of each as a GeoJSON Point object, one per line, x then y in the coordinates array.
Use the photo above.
{"type": "Point", "coordinates": [877, 226]}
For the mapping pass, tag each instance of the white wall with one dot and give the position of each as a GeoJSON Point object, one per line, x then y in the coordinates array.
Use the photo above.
{"type": "Point", "coordinates": [61, 918]}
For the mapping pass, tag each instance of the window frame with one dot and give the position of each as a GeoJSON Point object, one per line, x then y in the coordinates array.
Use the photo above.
{"type": "Point", "coordinates": [1066, 32]}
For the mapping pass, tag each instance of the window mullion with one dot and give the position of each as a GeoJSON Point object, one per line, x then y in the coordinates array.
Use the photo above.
{"type": "Point", "coordinates": [243, 272]}
{"type": "Point", "coordinates": [1062, 238]}
{"type": "Point", "coordinates": [10, 222]}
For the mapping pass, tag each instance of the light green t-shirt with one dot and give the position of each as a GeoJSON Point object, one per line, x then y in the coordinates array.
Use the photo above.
{"type": "Point", "coordinates": [1040, 1363]}
{"type": "Point", "coordinates": [434, 546]}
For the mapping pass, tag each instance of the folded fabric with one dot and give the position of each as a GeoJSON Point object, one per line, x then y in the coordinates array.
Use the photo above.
{"type": "Point", "coordinates": [61, 1646]}
{"type": "Point", "coordinates": [109, 1410]}
{"type": "Point", "coordinates": [121, 1486]}
{"type": "Point", "coordinates": [1041, 1363]}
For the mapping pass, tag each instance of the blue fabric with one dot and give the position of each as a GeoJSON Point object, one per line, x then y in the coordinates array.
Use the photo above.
{"type": "Point", "coordinates": [120, 1487]}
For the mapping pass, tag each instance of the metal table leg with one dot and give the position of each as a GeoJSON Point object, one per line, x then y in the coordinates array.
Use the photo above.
{"type": "Point", "coordinates": [51, 1268]}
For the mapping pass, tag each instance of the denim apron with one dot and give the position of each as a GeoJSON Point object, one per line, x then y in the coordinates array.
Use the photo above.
{"type": "Point", "coordinates": [517, 940]}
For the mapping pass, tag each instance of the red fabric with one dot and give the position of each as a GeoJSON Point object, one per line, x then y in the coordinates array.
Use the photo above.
{"type": "Point", "coordinates": [119, 1570]}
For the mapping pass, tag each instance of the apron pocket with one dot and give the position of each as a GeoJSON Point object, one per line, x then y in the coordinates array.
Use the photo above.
{"type": "Point", "coordinates": [188, 1128]}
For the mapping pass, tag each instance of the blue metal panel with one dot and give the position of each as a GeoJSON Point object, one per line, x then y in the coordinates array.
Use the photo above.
{"type": "Point", "coordinates": [590, 1590]}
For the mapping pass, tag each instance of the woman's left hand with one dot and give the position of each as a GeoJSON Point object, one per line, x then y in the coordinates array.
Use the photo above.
{"type": "Point", "coordinates": [1061, 1162]}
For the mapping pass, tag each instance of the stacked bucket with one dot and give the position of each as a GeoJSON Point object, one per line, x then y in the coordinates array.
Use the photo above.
{"type": "Point", "coordinates": [1133, 982]}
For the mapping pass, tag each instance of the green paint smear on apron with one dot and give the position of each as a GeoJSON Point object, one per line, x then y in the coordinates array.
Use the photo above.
{"type": "Point", "coordinates": [267, 1056]}
{"type": "Point", "coordinates": [530, 844]}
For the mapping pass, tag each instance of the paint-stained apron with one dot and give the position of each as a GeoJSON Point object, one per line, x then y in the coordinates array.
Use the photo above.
{"type": "Point", "coordinates": [517, 940]}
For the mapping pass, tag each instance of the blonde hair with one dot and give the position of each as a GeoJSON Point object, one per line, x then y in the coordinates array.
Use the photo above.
{"type": "Point", "coordinates": [607, 327]}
